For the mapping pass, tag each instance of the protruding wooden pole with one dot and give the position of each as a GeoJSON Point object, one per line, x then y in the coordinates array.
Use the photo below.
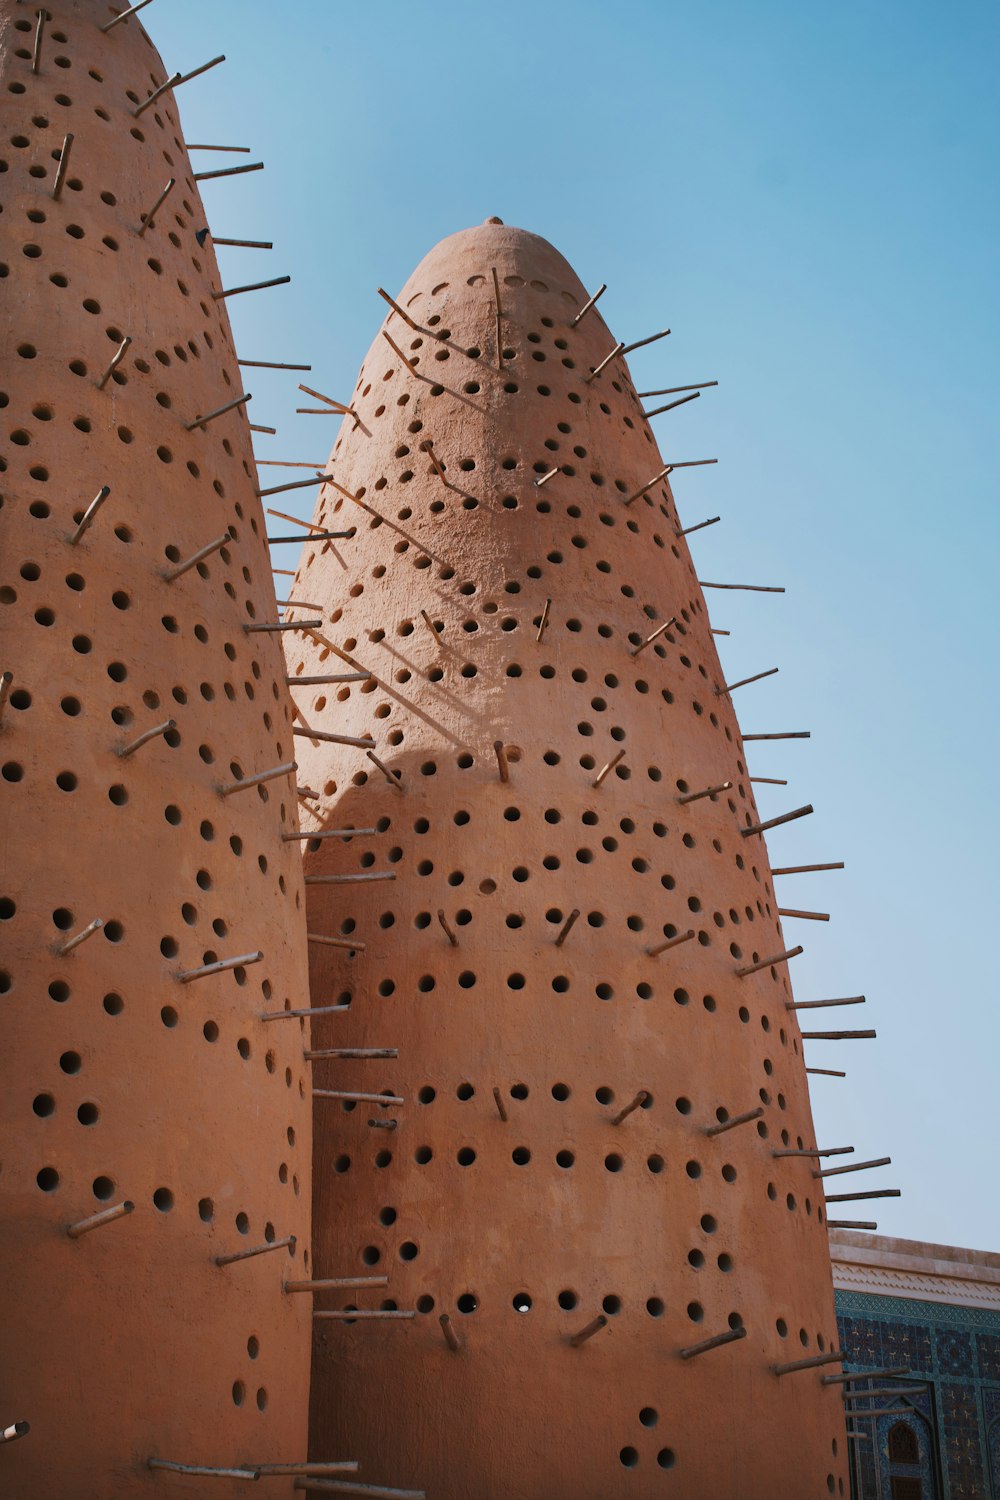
{"type": "Point", "coordinates": [386, 1099]}
{"type": "Point", "coordinates": [854, 1166]}
{"type": "Point", "coordinates": [89, 515]}
{"type": "Point", "coordinates": [322, 941]}
{"type": "Point", "coordinates": [655, 480]}
{"type": "Point", "coordinates": [362, 878]}
{"type": "Point", "coordinates": [544, 479]}
{"type": "Point", "coordinates": [360, 742]}
{"type": "Point", "coordinates": [320, 536]}
{"type": "Point", "coordinates": [430, 625]}
{"type": "Point", "coordinates": [567, 926]}
{"type": "Point", "coordinates": [730, 1124]}
{"type": "Point", "coordinates": [641, 343]}
{"type": "Point", "coordinates": [256, 166]}
{"type": "Point", "coordinates": [282, 489]}
{"type": "Point", "coordinates": [660, 630]}
{"type": "Point", "coordinates": [36, 55]}
{"type": "Point", "coordinates": [828, 1072]}
{"type": "Point", "coordinates": [833, 1357]}
{"type": "Point", "coordinates": [789, 817]}
{"type": "Point", "coordinates": [200, 1471]}
{"type": "Point", "coordinates": [279, 625]}
{"type": "Point", "coordinates": [682, 937]}
{"type": "Point", "coordinates": [335, 1283]}
{"type": "Point", "coordinates": [147, 218]}
{"type": "Point", "coordinates": [729, 1337]}
{"type": "Point", "coordinates": [594, 1326]}
{"type": "Point", "coordinates": [500, 750]}
{"type": "Point", "coordinates": [357, 1054]}
{"type": "Point", "coordinates": [687, 530]}
{"type": "Point", "coordinates": [123, 15]}
{"type": "Point", "coordinates": [221, 966]}
{"type": "Point", "coordinates": [269, 364]}
{"type": "Point", "coordinates": [543, 622]}
{"type": "Point", "coordinates": [618, 349]}
{"type": "Point", "coordinates": [606, 770]}
{"type": "Point", "coordinates": [163, 88]}
{"type": "Point", "coordinates": [822, 1004]}
{"type": "Point", "coordinates": [227, 1260]}
{"type": "Point", "coordinates": [327, 678]}
{"type": "Point", "coordinates": [807, 869]}
{"type": "Point", "coordinates": [862, 1197]}
{"type": "Point", "coordinates": [589, 303]}
{"type": "Point", "coordinates": [219, 411]}
{"type": "Point", "coordinates": [637, 1103]}
{"type": "Point", "coordinates": [309, 1010]}
{"type": "Point", "coordinates": [327, 833]}
{"type": "Point", "coordinates": [60, 178]}
{"type": "Point", "coordinates": [309, 1470]}
{"type": "Point", "coordinates": [808, 916]}
{"type": "Point", "coordinates": [251, 286]}
{"type": "Point", "coordinates": [143, 739]}
{"type": "Point", "coordinates": [731, 687]}
{"type": "Point", "coordinates": [815, 1151]}
{"type": "Point", "coordinates": [709, 791]}
{"type": "Point", "coordinates": [446, 928]}
{"type": "Point", "coordinates": [6, 678]}
{"type": "Point", "coordinates": [227, 789]}
{"type": "Point", "coordinates": [338, 406]}
{"type": "Point", "coordinates": [365, 1314]}
{"type": "Point", "coordinates": [497, 317]}
{"type": "Point", "coordinates": [670, 405]}
{"type": "Point", "coordinates": [765, 963]}
{"type": "Point", "coordinates": [106, 1216]}
{"type": "Point", "coordinates": [498, 1101]}
{"type": "Point", "coordinates": [836, 1036]}
{"type": "Point", "coordinates": [450, 1336]}
{"type": "Point", "coordinates": [200, 146]}
{"type": "Point", "coordinates": [196, 557]}
{"type": "Point", "coordinates": [392, 777]}
{"type": "Point", "coordinates": [397, 309]}
{"type": "Point", "coordinates": [63, 949]}
{"type": "Point", "coordinates": [669, 390]}
{"type": "Point", "coordinates": [750, 588]}
{"type": "Point", "coordinates": [769, 781]}
{"type": "Point", "coordinates": [792, 734]}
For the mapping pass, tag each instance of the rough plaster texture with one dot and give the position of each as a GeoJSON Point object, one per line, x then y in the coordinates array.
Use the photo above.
{"type": "Point", "coordinates": [524, 1230]}
{"type": "Point", "coordinates": [121, 1082]}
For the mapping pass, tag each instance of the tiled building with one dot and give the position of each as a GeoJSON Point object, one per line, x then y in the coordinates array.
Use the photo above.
{"type": "Point", "coordinates": [935, 1311]}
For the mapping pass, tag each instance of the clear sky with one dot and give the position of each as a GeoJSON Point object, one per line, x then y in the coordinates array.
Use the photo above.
{"type": "Point", "coordinates": [807, 195]}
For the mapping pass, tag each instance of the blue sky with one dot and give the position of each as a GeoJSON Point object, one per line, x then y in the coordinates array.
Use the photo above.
{"type": "Point", "coordinates": [807, 196]}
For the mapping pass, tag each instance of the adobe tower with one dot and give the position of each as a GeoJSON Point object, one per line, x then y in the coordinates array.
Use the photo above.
{"type": "Point", "coordinates": [606, 1274]}
{"type": "Point", "coordinates": [155, 1127]}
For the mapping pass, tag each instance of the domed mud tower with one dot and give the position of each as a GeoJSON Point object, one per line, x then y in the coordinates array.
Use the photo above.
{"type": "Point", "coordinates": [607, 1266]}
{"type": "Point", "coordinates": [156, 1128]}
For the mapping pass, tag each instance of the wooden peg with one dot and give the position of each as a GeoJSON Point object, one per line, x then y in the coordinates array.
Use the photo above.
{"type": "Point", "coordinates": [347, 411]}
{"type": "Point", "coordinates": [501, 1107]}
{"type": "Point", "coordinates": [810, 916]}
{"type": "Point", "coordinates": [430, 625]}
{"type": "Point", "coordinates": [357, 1054]}
{"type": "Point", "coordinates": [637, 1103]}
{"type": "Point", "coordinates": [6, 678]}
{"type": "Point", "coordinates": [397, 309]}
{"type": "Point", "coordinates": [655, 480]}
{"type": "Point", "coordinates": [218, 412]}
{"type": "Point", "coordinates": [242, 960]}
{"type": "Point", "coordinates": [807, 869]}
{"type": "Point", "coordinates": [836, 1036]}
{"type": "Point", "coordinates": [89, 515]}
{"type": "Point", "coordinates": [497, 316]}
{"type": "Point", "coordinates": [36, 55]}
{"type": "Point", "coordinates": [641, 343]}
{"type": "Point", "coordinates": [769, 781]}
{"type": "Point", "coordinates": [270, 364]}
{"type": "Point", "coordinates": [327, 677]}
{"type": "Point", "coordinates": [168, 83]}
{"type": "Point", "coordinates": [359, 742]}
{"type": "Point", "coordinates": [243, 150]}
{"type": "Point", "coordinates": [81, 937]}
{"type": "Point", "coordinates": [544, 479]}
{"type": "Point", "coordinates": [682, 937]}
{"type": "Point", "coordinates": [450, 1336]}
{"type": "Point", "coordinates": [361, 878]}
{"type": "Point", "coordinates": [386, 1099]}
{"type": "Point", "coordinates": [317, 1470]}
{"type": "Point", "coordinates": [714, 631]}
{"type": "Point", "coordinates": [792, 734]}
{"type": "Point", "coordinates": [311, 1010]}
{"type": "Point", "coordinates": [670, 405]}
{"type": "Point", "coordinates": [821, 1004]}
{"type": "Point", "coordinates": [669, 390]}
{"type": "Point", "coordinates": [729, 1337]}
{"type": "Point", "coordinates": [335, 942]}
{"type": "Point", "coordinates": [833, 1357]}
{"type": "Point", "coordinates": [789, 817]}
{"type": "Point", "coordinates": [143, 739]}
{"type": "Point", "coordinates": [196, 557]}
{"type": "Point", "coordinates": [752, 588]}
{"type": "Point", "coordinates": [815, 1152]}
{"type": "Point", "coordinates": [254, 427]}
{"type": "Point", "coordinates": [765, 963]}
{"type": "Point", "coordinates": [606, 770]}
{"type": "Point", "coordinates": [567, 926]}
{"type": "Point", "coordinates": [861, 1197]}
{"type": "Point", "coordinates": [500, 750]}
{"type": "Point", "coordinates": [282, 625]}
{"type": "Point", "coordinates": [252, 286]}
{"type": "Point", "coordinates": [731, 687]}
{"type": "Point", "coordinates": [730, 1124]}
{"type": "Point", "coordinates": [123, 15]}
{"type": "Point", "coordinates": [335, 1283]}
{"type": "Point", "coordinates": [106, 1216]}
{"type": "Point", "coordinates": [447, 929]}
{"type": "Point", "coordinates": [709, 791]}
{"type": "Point", "coordinates": [829, 1072]}
{"type": "Point", "coordinates": [397, 350]}
{"type": "Point", "coordinates": [854, 1166]}
{"type": "Point", "coordinates": [328, 833]}
{"type": "Point", "coordinates": [594, 1326]}
{"type": "Point", "coordinates": [281, 489]}
{"type": "Point", "coordinates": [60, 178]}
{"type": "Point", "coordinates": [618, 349]}
{"type": "Point", "coordinates": [227, 1260]}
{"type": "Point", "coordinates": [589, 303]}
{"type": "Point", "coordinates": [851, 1224]}
{"type": "Point", "coordinates": [229, 787]}
{"type": "Point", "coordinates": [363, 1315]}
{"type": "Point", "coordinates": [201, 1471]}
{"type": "Point", "coordinates": [543, 622]}
{"type": "Point", "coordinates": [392, 777]}
{"type": "Point", "coordinates": [660, 630]}
{"type": "Point", "coordinates": [687, 530]}
{"type": "Point", "coordinates": [318, 536]}
{"type": "Point", "coordinates": [257, 166]}
{"type": "Point", "coordinates": [197, 72]}
{"type": "Point", "coordinates": [243, 244]}
{"type": "Point", "coordinates": [383, 1124]}
{"type": "Point", "coordinates": [14, 1431]}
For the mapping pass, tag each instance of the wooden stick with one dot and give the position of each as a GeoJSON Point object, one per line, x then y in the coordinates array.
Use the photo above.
{"type": "Point", "coordinates": [227, 1260]}
{"type": "Point", "coordinates": [641, 343]}
{"type": "Point", "coordinates": [811, 916]}
{"type": "Point", "coordinates": [347, 411]}
{"type": "Point", "coordinates": [830, 1151]}
{"type": "Point", "coordinates": [386, 1099]}
{"type": "Point", "coordinates": [789, 817]}
{"type": "Point", "coordinates": [860, 1197]}
{"type": "Point", "coordinates": [360, 742]}
{"type": "Point", "coordinates": [359, 879]}
{"type": "Point", "coordinates": [285, 624]}
{"type": "Point", "coordinates": [245, 244]}
{"type": "Point", "coordinates": [254, 427]}
{"type": "Point", "coordinates": [724, 1125]}
{"type": "Point", "coordinates": [329, 677]}
{"type": "Point", "coordinates": [497, 316]}
{"type": "Point", "coordinates": [143, 739]}
{"type": "Point", "coordinates": [201, 1471]}
{"type": "Point", "coordinates": [252, 286]}
{"type": "Point", "coordinates": [793, 734]}
{"type": "Point", "coordinates": [681, 401]}
{"type": "Point", "coordinates": [364, 1314]}
{"type": "Point", "coordinates": [835, 1036]}
{"type": "Point", "coordinates": [257, 166]}
{"type": "Point", "coordinates": [655, 480]}
{"type": "Point", "coordinates": [682, 937]}
{"type": "Point", "coordinates": [311, 1010]}
{"type": "Point", "coordinates": [732, 686]}
{"type": "Point", "coordinates": [228, 788]}
{"type": "Point", "coordinates": [14, 1431]}
{"type": "Point", "coordinates": [765, 963]}
{"type": "Point", "coordinates": [820, 1004]}
{"type": "Point", "coordinates": [335, 1283]}
{"type": "Point", "coordinates": [334, 942]}
{"type": "Point", "coordinates": [397, 350]}
{"type": "Point", "coordinates": [618, 349]}
{"type": "Point", "coordinates": [446, 928]}
{"type": "Point", "coordinates": [347, 1466]}
{"type": "Point", "coordinates": [635, 1104]}
{"type": "Point", "coordinates": [753, 588]}
{"type": "Point", "coordinates": [567, 926]}
{"type": "Point", "coordinates": [833, 1357]}
{"type": "Point", "coordinates": [544, 479]}
{"type": "Point", "coordinates": [450, 1336]}
{"type": "Point", "coordinates": [356, 1053]}
{"type": "Point", "coordinates": [392, 777]}
{"type": "Point", "coordinates": [67, 146]}
{"type": "Point", "coordinates": [87, 519]}
{"type": "Point", "coordinates": [243, 150]}
{"type": "Point", "coordinates": [297, 484]}
{"type": "Point", "coordinates": [106, 1216]}
{"type": "Point", "coordinates": [328, 833]}
{"type": "Point", "coordinates": [670, 390]}
{"type": "Point", "coordinates": [81, 937]}
{"type": "Point", "coordinates": [270, 364]}
{"type": "Point", "coordinates": [218, 412]}
{"type": "Point", "coordinates": [196, 558]}
{"type": "Point", "coordinates": [168, 83]}
{"type": "Point", "coordinates": [607, 769]}
{"type": "Point", "coordinates": [729, 1337]}
{"type": "Point", "coordinates": [319, 536]}
{"type": "Point", "coordinates": [36, 55]}
{"type": "Point", "coordinates": [544, 620]}
{"type": "Point", "coordinates": [430, 624]}
{"type": "Point", "coordinates": [500, 750]}
{"type": "Point", "coordinates": [404, 315]}
{"type": "Point", "coordinates": [123, 15]}
{"type": "Point", "coordinates": [6, 678]}
{"type": "Point", "coordinates": [185, 976]}
{"type": "Point", "coordinates": [854, 1166]}
{"type": "Point", "coordinates": [594, 1326]}
{"type": "Point", "coordinates": [770, 781]}
{"type": "Point", "coordinates": [660, 629]}
{"type": "Point", "coordinates": [197, 72]}
{"type": "Point", "coordinates": [350, 1487]}
{"type": "Point", "coordinates": [589, 304]}
{"type": "Point", "coordinates": [851, 1224]}
{"type": "Point", "coordinates": [829, 1072]}
{"type": "Point", "coordinates": [709, 791]}
{"type": "Point", "coordinates": [498, 1101]}
{"type": "Point", "coordinates": [383, 1124]}
{"type": "Point", "coordinates": [700, 527]}
{"type": "Point", "coordinates": [806, 869]}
